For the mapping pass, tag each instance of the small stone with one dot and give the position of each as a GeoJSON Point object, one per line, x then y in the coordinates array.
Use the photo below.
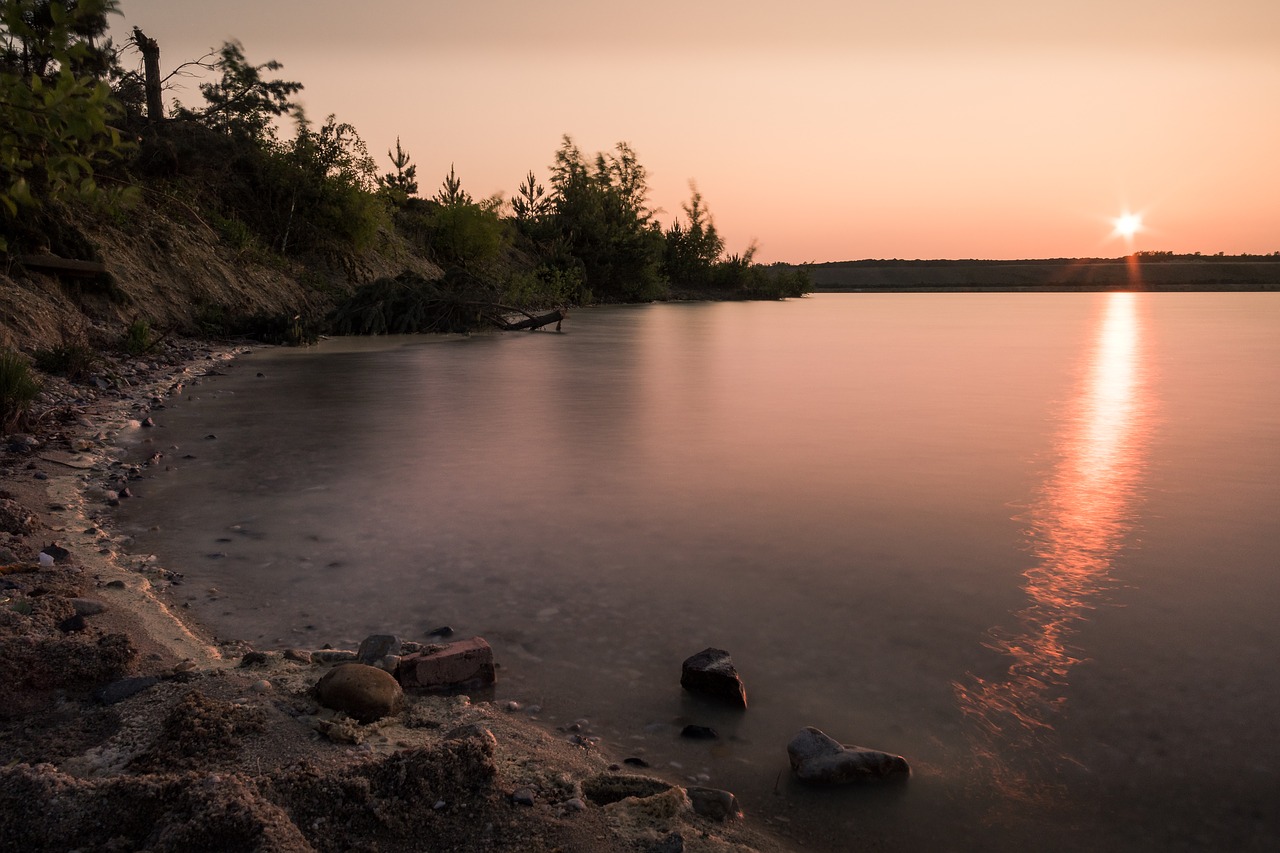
{"type": "Point", "coordinates": [513, 706]}
{"type": "Point", "coordinates": [635, 761]}
{"type": "Point", "coordinates": [57, 552]}
{"type": "Point", "coordinates": [365, 693]}
{"type": "Point", "coordinates": [186, 666]}
{"type": "Point", "coordinates": [297, 655]}
{"type": "Point", "coordinates": [575, 804]}
{"type": "Point", "coordinates": [474, 731]}
{"type": "Point", "coordinates": [261, 686]}
{"type": "Point", "coordinates": [710, 673]}
{"type": "Point", "coordinates": [820, 759]}
{"type": "Point", "coordinates": [440, 804]}
{"type": "Point", "coordinates": [699, 732]}
{"type": "Point", "coordinates": [87, 606]}
{"type": "Point", "coordinates": [116, 584]}
{"type": "Point", "coordinates": [523, 797]}
{"type": "Point", "coordinates": [715, 804]}
{"type": "Point", "coordinates": [72, 624]}
{"type": "Point", "coordinates": [148, 422]}
{"type": "Point", "coordinates": [442, 631]}
{"type": "Point", "coordinates": [673, 843]}
{"type": "Point", "coordinates": [375, 647]}
{"type": "Point", "coordinates": [249, 659]}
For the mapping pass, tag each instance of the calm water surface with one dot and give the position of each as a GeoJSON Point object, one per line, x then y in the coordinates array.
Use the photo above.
{"type": "Point", "coordinates": [1029, 541]}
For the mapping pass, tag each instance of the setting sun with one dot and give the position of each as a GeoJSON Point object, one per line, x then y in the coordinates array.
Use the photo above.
{"type": "Point", "coordinates": [1127, 225]}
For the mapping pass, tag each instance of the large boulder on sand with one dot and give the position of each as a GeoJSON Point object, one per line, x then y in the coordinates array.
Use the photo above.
{"type": "Point", "coordinates": [365, 693]}
{"type": "Point", "coordinates": [710, 673]}
{"type": "Point", "coordinates": [821, 759]}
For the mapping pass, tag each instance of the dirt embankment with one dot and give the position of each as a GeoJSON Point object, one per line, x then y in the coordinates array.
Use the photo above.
{"type": "Point", "coordinates": [167, 266]}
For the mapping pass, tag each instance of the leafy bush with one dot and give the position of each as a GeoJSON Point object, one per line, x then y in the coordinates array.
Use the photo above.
{"type": "Point", "coordinates": [137, 338]}
{"type": "Point", "coordinates": [18, 390]}
{"type": "Point", "coordinates": [75, 360]}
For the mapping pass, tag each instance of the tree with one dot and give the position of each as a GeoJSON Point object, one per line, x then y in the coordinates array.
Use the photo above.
{"type": "Point", "coordinates": [402, 184]}
{"type": "Point", "coordinates": [242, 102]}
{"type": "Point", "coordinates": [531, 200]}
{"type": "Point", "coordinates": [600, 216]}
{"type": "Point", "coordinates": [55, 113]}
{"type": "Point", "coordinates": [692, 250]}
{"type": "Point", "coordinates": [451, 193]}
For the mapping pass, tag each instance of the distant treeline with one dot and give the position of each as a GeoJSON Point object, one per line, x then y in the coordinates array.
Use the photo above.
{"type": "Point", "coordinates": [1149, 270]}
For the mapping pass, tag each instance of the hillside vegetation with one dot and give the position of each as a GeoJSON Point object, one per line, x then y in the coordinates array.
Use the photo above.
{"type": "Point", "coordinates": [243, 215]}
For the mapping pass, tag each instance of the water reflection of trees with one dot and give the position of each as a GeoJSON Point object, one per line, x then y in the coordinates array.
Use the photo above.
{"type": "Point", "coordinates": [1078, 524]}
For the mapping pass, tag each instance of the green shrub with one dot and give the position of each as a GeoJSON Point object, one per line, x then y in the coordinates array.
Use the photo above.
{"type": "Point", "coordinates": [18, 389]}
{"type": "Point", "coordinates": [75, 360]}
{"type": "Point", "coordinates": [138, 338]}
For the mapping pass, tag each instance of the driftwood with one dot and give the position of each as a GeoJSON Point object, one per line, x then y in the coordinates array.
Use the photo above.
{"type": "Point", "coordinates": [531, 322]}
{"type": "Point", "coordinates": [66, 266]}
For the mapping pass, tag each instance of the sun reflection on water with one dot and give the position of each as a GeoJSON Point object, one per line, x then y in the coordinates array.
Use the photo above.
{"type": "Point", "coordinates": [1077, 525]}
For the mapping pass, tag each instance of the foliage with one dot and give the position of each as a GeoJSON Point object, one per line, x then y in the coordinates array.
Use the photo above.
{"type": "Point", "coordinates": [409, 304]}
{"type": "Point", "coordinates": [402, 184]}
{"type": "Point", "coordinates": [545, 287]}
{"type": "Point", "coordinates": [54, 113]}
{"type": "Point", "coordinates": [18, 390]}
{"type": "Point", "coordinates": [692, 250]}
{"type": "Point", "coordinates": [75, 359]}
{"type": "Point", "coordinates": [138, 338]}
{"type": "Point", "coordinates": [243, 102]}
{"type": "Point", "coordinates": [530, 201]}
{"type": "Point", "coordinates": [600, 214]}
{"type": "Point", "coordinates": [451, 193]}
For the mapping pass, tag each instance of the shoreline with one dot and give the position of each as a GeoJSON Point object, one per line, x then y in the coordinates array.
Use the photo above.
{"type": "Point", "coordinates": [115, 703]}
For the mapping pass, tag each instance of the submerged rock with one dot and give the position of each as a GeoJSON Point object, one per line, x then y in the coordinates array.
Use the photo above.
{"type": "Point", "coordinates": [820, 759]}
{"type": "Point", "coordinates": [715, 804]}
{"type": "Point", "coordinates": [710, 673]}
{"type": "Point", "coordinates": [365, 693]}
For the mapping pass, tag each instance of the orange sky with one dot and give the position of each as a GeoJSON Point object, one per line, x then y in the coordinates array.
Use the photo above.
{"type": "Point", "coordinates": [827, 129]}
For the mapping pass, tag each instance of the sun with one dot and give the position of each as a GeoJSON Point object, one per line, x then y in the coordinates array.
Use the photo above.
{"type": "Point", "coordinates": [1127, 224]}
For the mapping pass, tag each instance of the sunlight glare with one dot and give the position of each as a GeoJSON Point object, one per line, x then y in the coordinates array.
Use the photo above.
{"type": "Point", "coordinates": [1127, 224]}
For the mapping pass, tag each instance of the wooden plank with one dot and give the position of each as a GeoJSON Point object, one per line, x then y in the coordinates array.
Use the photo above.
{"type": "Point", "coordinates": [69, 266]}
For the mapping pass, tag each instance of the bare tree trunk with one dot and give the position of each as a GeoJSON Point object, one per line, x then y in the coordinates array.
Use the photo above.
{"type": "Point", "coordinates": [151, 67]}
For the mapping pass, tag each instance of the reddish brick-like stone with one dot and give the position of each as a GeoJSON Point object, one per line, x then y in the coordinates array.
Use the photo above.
{"type": "Point", "coordinates": [466, 663]}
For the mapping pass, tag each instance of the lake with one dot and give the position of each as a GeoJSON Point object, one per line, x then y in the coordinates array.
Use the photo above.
{"type": "Point", "coordinates": [1030, 541]}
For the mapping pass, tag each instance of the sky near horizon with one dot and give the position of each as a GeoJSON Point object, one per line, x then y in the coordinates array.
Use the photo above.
{"type": "Point", "coordinates": [825, 130]}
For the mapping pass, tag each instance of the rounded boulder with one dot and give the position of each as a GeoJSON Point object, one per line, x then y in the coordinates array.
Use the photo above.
{"type": "Point", "coordinates": [363, 692]}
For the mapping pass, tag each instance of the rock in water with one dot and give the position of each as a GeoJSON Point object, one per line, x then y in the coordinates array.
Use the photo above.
{"type": "Point", "coordinates": [365, 693]}
{"type": "Point", "coordinates": [821, 759]}
{"type": "Point", "coordinates": [710, 673]}
{"type": "Point", "coordinates": [466, 663]}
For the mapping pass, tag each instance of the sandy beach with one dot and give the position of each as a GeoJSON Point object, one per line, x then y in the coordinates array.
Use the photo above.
{"type": "Point", "coordinates": [124, 727]}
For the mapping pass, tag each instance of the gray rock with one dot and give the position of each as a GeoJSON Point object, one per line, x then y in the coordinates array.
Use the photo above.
{"type": "Point", "coordinates": [333, 656]}
{"type": "Point", "coordinates": [710, 673]}
{"type": "Point", "coordinates": [118, 691]}
{"type": "Point", "coordinates": [524, 797]}
{"type": "Point", "coordinates": [715, 804]}
{"type": "Point", "coordinates": [87, 606]}
{"type": "Point", "coordinates": [375, 647]}
{"type": "Point", "coordinates": [820, 759]}
{"type": "Point", "coordinates": [364, 692]}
